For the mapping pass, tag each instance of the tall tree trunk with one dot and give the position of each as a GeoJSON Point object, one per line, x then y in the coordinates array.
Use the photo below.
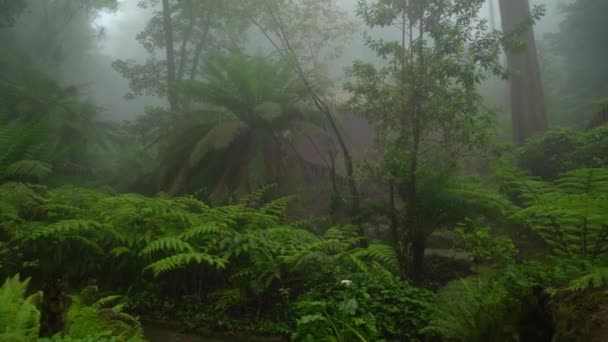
{"type": "Point", "coordinates": [527, 98]}
{"type": "Point", "coordinates": [170, 52]}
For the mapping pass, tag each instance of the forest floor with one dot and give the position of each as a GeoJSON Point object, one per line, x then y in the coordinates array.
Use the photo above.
{"type": "Point", "coordinates": [159, 332]}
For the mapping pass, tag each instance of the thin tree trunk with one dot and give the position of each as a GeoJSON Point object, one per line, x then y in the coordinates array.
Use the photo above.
{"type": "Point", "coordinates": [527, 98]}
{"type": "Point", "coordinates": [170, 52]}
{"type": "Point", "coordinates": [415, 238]}
{"type": "Point", "coordinates": [198, 49]}
{"type": "Point", "coordinates": [183, 49]}
{"type": "Point", "coordinates": [399, 240]}
{"type": "Point", "coordinates": [285, 49]}
{"type": "Point", "coordinates": [415, 269]}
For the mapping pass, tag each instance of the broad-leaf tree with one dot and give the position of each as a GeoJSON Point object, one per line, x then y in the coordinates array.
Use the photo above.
{"type": "Point", "coordinates": [425, 101]}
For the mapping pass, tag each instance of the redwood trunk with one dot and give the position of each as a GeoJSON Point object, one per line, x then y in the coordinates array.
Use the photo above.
{"type": "Point", "coordinates": [527, 98]}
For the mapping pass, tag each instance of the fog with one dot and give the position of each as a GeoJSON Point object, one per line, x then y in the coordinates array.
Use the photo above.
{"type": "Point", "coordinates": [107, 87]}
{"type": "Point", "coordinates": [303, 170]}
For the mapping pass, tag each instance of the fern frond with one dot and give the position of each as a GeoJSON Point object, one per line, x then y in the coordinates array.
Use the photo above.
{"type": "Point", "coordinates": [167, 244]}
{"type": "Point", "coordinates": [211, 229]}
{"type": "Point", "coordinates": [383, 254]}
{"type": "Point", "coordinates": [182, 260]}
{"type": "Point", "coordinates": [595, 278]}
{"type": "Point", "coordinates": [225, 298]}
{"type": "Point", "coordinates": [70, 226]}
{"type": "Point", "coordinates": [25, 169]}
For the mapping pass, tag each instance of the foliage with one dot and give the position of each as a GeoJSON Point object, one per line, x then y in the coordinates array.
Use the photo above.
{"type": "Point", "coordinates": [46, 129]}
{"type": "Point", "coordinates": [570, 213]}
{"type": "Point", "coordinates": [581, 50]}
{"type": "Point", "coordinates": [247, 110]}
{"type": "Point", "coordinates": [479, 241]}
{"type": "Point", "coordinates": [368, 306]}
{"type": "Point", "coordinates": [20, 318]}
{"type": "Point", "coordinates": [596, 277]}
{"type": "Point", "coordinates": [472, 310]}
{"type": "Point", "coordinates": [89, 315]}
{"type": "Point", "coordinates": [424, 100]}
{"type": "Point", "coordinates": [510, 304]}
{"type": "Point", "coordinates": [199, 28]}
{"type": "Point", "coordinates": [558, 151]}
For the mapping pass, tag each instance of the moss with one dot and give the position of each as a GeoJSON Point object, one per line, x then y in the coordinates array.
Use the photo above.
{"type": "Point", "coordinates": [581, 316]}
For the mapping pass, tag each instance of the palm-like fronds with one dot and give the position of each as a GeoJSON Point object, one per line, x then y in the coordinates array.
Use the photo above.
{"type": "Point", "coordinates": [248, 105]}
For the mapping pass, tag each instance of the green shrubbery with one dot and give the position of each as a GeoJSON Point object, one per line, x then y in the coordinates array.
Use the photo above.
{"type": "Point", "coordinates": [86, 321]}
{"type": "Point", "coordinates": [559, 151]}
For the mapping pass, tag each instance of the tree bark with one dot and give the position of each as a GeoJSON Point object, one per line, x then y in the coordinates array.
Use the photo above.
{"type": "Point", "coordinates": [527, 98]}
{"type": "Point", "coordinates": [170, 52]}
{"type": "Point", "coordinates": [417, 264]}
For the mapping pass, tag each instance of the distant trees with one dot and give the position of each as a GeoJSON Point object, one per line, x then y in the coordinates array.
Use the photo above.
{"type": "Point", "coordinates": [527, 98]}
{"type": "Point", "coordinates": [176, 38]}
{"type": "Point", "coordinates": [9, 9]}
{"type": "Point", "coordinates": [582, 43]}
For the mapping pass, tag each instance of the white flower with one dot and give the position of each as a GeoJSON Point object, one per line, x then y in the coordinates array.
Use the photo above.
{"type": "Point", "coordinates": [346, 282]}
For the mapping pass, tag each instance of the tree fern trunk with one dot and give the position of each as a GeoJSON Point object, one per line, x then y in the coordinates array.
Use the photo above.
{"type": "Point", "coordinates": [53, 309]}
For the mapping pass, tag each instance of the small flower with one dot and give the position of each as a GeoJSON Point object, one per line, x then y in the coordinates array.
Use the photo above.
{"type": "Point", "coordinates": [346, 282]}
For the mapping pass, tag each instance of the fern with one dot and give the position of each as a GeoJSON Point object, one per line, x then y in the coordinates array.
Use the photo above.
{"type": "Point", "coordinates": [572, 215]}
{"type": "Point", "coordinates": [181, 260]}
{"type": "Point", "coordinates": [77, 226]}
{"type": "Point", "coordinates": [382, 254]}
{"type": "Point", "coordinates": [27, 169]}
{"type": "Point", "coordinates": [210, 229]}
{"type": "Point", "coordinates": [19, 317]}
{"type": "Point", "coordinates": [472, 310]}
{"type": "Point", "coordinates": [223, 299]}
{"type": "Point", "coordinates": [87, 320]}
{"type": "Point", "coordinates": [170, 244]}
{"type": "Point", "coordinates": [597, 277]}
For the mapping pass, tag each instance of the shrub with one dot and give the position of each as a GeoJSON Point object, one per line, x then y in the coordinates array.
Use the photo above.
{"type": "Point", "coordinates": [364, 307]}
